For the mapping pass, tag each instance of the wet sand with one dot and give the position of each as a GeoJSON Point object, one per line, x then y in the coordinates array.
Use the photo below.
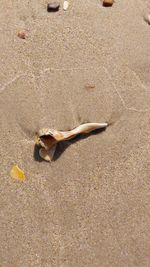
{"type": "Point", "coordinates": [90, 206]}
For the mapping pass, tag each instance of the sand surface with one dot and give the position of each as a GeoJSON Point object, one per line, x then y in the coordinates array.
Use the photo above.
{"type": "Point", "coordinates": [90, 207]}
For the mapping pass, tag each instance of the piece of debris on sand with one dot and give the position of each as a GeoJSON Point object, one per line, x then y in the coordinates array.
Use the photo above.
{"type": "Point", "coordinates": [17, 174]}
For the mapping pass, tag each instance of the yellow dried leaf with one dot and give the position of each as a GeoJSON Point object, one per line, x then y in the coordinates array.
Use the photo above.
{"type": "Point", "coordinates": [17, 173]}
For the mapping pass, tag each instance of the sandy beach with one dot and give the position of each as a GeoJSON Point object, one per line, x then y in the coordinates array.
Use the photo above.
{"type": "Point", "coordinates": [90, 206]}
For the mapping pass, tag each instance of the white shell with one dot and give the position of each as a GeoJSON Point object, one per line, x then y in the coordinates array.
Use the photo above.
{"type": "Point", "coordinates": [47, 154]}
{"type": "Point", "coordinates": [65, 5]}
{"type": "Point", "coordinates": [48, 138]}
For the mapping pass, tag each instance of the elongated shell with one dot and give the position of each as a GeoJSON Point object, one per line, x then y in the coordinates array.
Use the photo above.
{"type": "Point", "coordinates": [48, 138]}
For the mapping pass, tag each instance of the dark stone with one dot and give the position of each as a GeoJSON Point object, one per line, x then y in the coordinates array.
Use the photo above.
{"type": "Point", "coordinates": [108, 3]}
{"type": "Point", "coordinates": [53, 7]}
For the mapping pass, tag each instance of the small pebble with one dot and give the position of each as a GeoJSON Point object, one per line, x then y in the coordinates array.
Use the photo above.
{"type": "Point", "coordinates": [108, 2]}
{"type": "Point", "coordinates": [53, 7]}
{"type": "Point", "coordinates": [65, 5]}
{"type": "Point", "coordinates": [89, 87]}
{"type": "Point", "coordinates": [22, 34]}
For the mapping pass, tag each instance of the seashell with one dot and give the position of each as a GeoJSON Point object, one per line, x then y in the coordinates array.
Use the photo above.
{"type": "Point", "coordinates": [48, 138]}
{"type": "Point", "coordinates": [65, 5]}
{"type": "Point", "coordinates": [147, 19]}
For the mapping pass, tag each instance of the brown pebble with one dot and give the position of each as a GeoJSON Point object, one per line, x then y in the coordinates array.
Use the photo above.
{"type": "Point", "coordinates": [147, 19]}
{"type": "Point", "coordinates": [53, 7]}
{"type": "Point", "coordinates": [108, 2]}
{"type": "Point", "coordinates": [22, 34]}
{"type": "Point", "coordinates": [89, 87]}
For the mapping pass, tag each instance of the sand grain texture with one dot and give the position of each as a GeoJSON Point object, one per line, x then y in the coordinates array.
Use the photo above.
{"type": "Point", "coordinates": [90, 207]}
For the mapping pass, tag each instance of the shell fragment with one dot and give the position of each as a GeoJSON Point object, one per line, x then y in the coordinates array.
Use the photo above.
{"type": "Point", "coordinates": [65, 5]}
